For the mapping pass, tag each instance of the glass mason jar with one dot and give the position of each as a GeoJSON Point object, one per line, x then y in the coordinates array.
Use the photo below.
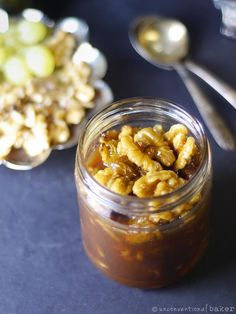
{"type": "Point", "coordinates": [142, 256]}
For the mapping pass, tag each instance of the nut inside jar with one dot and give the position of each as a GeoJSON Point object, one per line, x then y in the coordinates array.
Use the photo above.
{"type": "Point", "coordinates": [146, 162]}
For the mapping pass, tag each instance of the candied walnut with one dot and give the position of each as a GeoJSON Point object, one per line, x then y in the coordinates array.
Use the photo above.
{"type": "Point", "coordinates": [6, 142]}
{"type": "Point", "coordinates": [183, 145]}
{"type": "Point", "coordinates": [37, 140]}
{"type": "Point", "coordinates": [30, 116]}
{"type": "Point", "coordinates": [162, 152]}
{"type": "Point", "coordinates": [95, 162]}
{"type": "Point", "coordinates": [127, 147]}
{"type": "Point", "coordinates": [113, 180]}
{"type": "Point", "coordinates": [109, 135]}
{"type": "Point", "coordinates": [195, 199]}
{"type": "Point", "coordinates": [149, 137]}
{"type": "Point", "coordinates": [126, 168]}
{"type": "Point", "coordinates": [162, 188]}
{"type": "Point", "coordinates": [125, 131]}
{"type": "Point", "coordinates": [93, 170]}
{"type": "Point", "coordinates": [58, 132]}
{"type": "Point", "coordinates": [161, 218]}
{"type": "Point", "coordinates": [21, 136]}
{"type": "Point", "coordinates": [108, 147]}
{"type": "Point", "coordinates": [119, 178]}
{"type": "Point", "coordinates": [156, 183]}
{"type": "Point", "coordinates": [11, 122]}
{"type": "Point", "coordinates": [137, 238]}
{"type": "Point", "coordinates": [158, 128]}
{"type": "Point", "coordinates": [183, 209]}
{"type": "Point", "coordinates": [175, 130]}
{"type": "Point", "coordinates": [108, 151]}
{"type": "Point", "coordinates": [179, 141]}
{"type": "Point", "coordinates": [140, 222]}
{"type": "Point", "coordinates": [168, 186]}
{"type": "Point", "coordinates": [185, 154]}
{"type": "Point", "coordinates": [110, 156]}
{"type": "Point", "coordinates": [85, 93]}
{"type": "Point", "coordinates": [75, 116]}
{"type": "Point", "coordinates": [165, 155]}
{"type": "Point", "coordinates": [177, 212]}
{"type": "Point", "coordinates": [128, 130]}
{"type": "Point", "coordinates": [63, 45]}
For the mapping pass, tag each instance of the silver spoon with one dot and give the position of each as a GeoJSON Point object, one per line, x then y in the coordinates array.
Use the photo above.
{"type": "Point", "coordinates": [165, 43]}
{"type": "Point", "coordinates": [178, 38]}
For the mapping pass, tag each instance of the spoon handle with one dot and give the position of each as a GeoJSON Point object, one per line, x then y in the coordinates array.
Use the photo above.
{"type": "Point", "coordinates": [221, 87]}
{"type": "Point", "coordinates": [218, 128]}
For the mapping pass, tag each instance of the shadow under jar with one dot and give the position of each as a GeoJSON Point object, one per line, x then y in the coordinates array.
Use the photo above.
{"type": "Point", "coordinates": [145, 256]}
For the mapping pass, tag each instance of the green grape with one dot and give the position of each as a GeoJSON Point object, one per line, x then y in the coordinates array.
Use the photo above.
{"type": "Point", "coordinates": [10, 51]}
{"type": "Point", "coordinates": [40, 60]}
{"type": "Point", "coordinates": [31, 33]}
{"type": "Point", "coordinates": [11, 41]}
{"type": "Point", "coordinates": [3, 55]}
{"type": "Point", "coordinates": [11, 37]}
{"type": "Point", "coordinates": [1, 78]}
{"type": "Point", "coordinates": [16, 71]}
{"type": "Point", "coordinates": [12, 30]}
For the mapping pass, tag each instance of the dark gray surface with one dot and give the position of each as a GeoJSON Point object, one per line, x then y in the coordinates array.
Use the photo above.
{"type": "Point", "coordinates": [43, 268]}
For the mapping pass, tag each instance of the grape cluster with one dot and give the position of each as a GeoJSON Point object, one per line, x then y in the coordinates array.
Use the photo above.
{"type": "Point", "coordinates": [23, 52]}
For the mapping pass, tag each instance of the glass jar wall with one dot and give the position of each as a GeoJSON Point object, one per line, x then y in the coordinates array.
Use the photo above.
{"type": "Point", "coordinates": [142, 255]}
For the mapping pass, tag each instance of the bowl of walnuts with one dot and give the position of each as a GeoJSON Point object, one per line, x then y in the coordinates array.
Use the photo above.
{"type": "Point", "coordinates": [50, 81]}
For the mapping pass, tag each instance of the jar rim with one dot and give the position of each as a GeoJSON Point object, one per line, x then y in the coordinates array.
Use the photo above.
{"type": "Point", "coordinates": [141, 204]}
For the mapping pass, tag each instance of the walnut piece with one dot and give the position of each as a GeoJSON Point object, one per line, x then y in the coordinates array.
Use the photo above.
{"type": "Point", "coordinates": [146, 163]}
{"type": "Point", "coordinates": [185, 146]}
{"type": "Point", "coordinates": [151, 136]}
{"type": "Point", "coordinates": [185, 153]}
{"type": "Point", "coordinates": [128, 148]}
{"type": "Point", "coordinates": [157, 183]}
{"type": "Point", "coordinates": [114, 181]}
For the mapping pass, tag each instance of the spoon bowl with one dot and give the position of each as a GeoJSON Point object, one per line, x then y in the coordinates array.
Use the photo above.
{"type": "Point", "coordinates": [163, 42]}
